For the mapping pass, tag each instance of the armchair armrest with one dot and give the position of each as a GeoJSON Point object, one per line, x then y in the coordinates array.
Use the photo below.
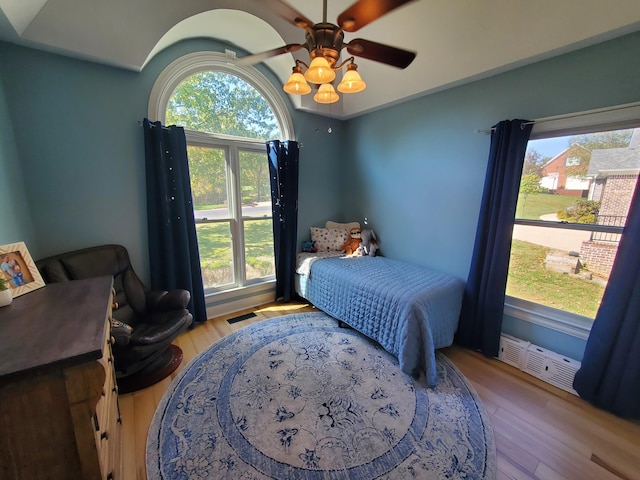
{"type": "Point", "coordinates": [121, 333]}
{"type": "Point", "coordinates": [163, 301]}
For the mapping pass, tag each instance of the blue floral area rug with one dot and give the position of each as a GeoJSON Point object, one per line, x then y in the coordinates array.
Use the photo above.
{"type": "Point", "coordinates": [297, 397]}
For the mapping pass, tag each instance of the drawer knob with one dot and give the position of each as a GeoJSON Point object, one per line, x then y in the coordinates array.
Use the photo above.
{"type": "Point", "coordinates": [104, 436]}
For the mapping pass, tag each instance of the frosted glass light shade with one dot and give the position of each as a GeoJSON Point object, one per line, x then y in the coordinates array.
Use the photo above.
{"type": "Point", "coordinates": [351, 82]}
{"type": "Point", "coordinates": [326, 94]}
{"type": "Point", "coordinates": [297, 85]}
{"type": "Point", "coordinates": [319, 71]}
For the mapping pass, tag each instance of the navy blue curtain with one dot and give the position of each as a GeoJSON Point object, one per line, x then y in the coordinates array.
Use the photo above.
{"type": "Point", "coordinates": [283, 171]}
{"type": "Point", "coordinates": [609, 376]}
{"type": "Point", "coordinates": [173, 246]}
{"type": "Point", "coordinates": [483, 302]}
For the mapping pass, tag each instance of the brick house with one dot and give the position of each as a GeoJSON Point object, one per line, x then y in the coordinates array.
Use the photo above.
{"type": "Point", "coordinates": [564, 173]}
{"type": "Point", "coordinates": [613, 173]}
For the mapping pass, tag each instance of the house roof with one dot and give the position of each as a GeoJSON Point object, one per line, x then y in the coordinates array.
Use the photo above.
{"type": "Point", "coordinates": [570, 147]}
{"type": "Point", "coordinates": [620, 161]}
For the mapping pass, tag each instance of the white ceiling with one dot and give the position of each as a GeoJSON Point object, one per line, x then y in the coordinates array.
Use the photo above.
{"type": "Point", "coordinates": [456, 40]}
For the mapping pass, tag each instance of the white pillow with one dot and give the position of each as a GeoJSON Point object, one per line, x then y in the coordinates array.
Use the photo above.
{"type": "Point", "coordinates": [329, 239]}
{"type": "Point", "coordinates": [345, 226]}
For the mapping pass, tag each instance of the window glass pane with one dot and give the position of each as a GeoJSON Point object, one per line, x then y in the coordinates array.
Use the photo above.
{"type": "Point", "coordinates": [218, 102]}
{"type": "Point", "coordinates": [258, 241]}
{"type": "Point", "coordinates": [208, 171]}
{"type": "Point", "coordinates": [256, 203]}
{"type": "Point", "coordinates": [254, 184]}
{"type": "Point", "coordinates": [229, 176]}
{"type": "Point", "coordinates": [216, 254]}
{"type": "Point", "coordinates": [584, 179]}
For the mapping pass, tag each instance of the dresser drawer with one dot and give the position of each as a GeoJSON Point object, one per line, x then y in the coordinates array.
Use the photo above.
{"type": "Point", "coordinates": [107, 418]}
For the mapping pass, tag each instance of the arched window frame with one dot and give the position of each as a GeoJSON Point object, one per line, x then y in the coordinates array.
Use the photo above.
{"type": "Point", "coordinates": [197, 62]}
{"type": "Point", "coordinates": [229, 300]}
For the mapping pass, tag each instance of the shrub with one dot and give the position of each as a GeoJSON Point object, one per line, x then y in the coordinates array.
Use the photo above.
{"type": "Point", "coordinates": [583, 211]}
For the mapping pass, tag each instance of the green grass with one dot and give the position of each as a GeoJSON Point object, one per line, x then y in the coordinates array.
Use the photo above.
{"type": "Point", "coordinates": [537, 204]}
{"type": "Point", "coordinates": [216, 251]}
{"type": "Point", "coordinates": [208, 207]}
{"type": "Point", "coordinates": [529, 279]}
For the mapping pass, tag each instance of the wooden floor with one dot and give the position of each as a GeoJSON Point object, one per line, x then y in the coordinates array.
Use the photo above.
{"type": "Point", "coordinates": [541, 432]}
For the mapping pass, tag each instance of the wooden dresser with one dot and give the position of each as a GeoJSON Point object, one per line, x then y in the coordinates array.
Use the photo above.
{"type": "Point", "coordinates": [59, 412]}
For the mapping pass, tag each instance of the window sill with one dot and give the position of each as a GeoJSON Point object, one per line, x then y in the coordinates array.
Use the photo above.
{"type": "Point", "coordinates": [233, 300]}
{"type": "Point", "coordinates": [558, 320]}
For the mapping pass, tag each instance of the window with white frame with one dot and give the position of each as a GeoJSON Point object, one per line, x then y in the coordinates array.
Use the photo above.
{"type": "Point", "coordinates": [228, 113]}
{"type": "Point", "coordinates": [567, 231]}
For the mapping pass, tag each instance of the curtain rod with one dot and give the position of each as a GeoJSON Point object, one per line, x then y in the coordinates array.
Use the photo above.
{"type": "Point", "coordinates": [566, 116]}
{"type": "Point", "coordinates": [152, 125]}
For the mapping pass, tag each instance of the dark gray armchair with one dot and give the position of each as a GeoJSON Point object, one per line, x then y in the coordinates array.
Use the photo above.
{"type": "Point", "coordinates": [151, 320]}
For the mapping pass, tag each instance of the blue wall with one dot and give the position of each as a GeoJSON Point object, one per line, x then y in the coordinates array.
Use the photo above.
{"type": "Point", "coordinates": [417, 169]}
{"type": "Point", "coordinates": [72, 163]}
{"type": "Point", "coordinates": [15, 216]}
{"type": "Point", "coordinates": [76, 128]}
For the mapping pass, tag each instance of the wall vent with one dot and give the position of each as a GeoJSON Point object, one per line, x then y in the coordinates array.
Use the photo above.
{"type": "Point", "coordinates": [544, 364]}
{"type": "Point", "coordinates": [513, 350]}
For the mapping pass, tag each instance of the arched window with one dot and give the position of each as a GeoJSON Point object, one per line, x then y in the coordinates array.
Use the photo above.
{"type": "Point", "coordinates": [228, 113]}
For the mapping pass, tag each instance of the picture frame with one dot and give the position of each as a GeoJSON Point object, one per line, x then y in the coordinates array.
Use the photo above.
{"type": "Point", "coordinates": [18, 269]}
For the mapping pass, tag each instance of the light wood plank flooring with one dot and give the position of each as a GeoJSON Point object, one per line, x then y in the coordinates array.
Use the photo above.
{"type": "Point", "coordinates": [541, 432]}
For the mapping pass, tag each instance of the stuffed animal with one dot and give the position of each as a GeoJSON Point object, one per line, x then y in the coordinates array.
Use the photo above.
{"type": "Point", "coordinates": [368, 243]}
{"type": "Point", "coordinates": [309, 247]}
{"type": "Point", "coordinates": [353, 242]}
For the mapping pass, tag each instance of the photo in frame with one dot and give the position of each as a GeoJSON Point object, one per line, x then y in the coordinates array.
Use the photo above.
{"type": "Point", "coordinates": [18, 269]}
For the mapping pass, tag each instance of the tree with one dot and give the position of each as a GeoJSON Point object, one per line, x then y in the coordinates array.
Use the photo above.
{"type": "Point", "coordinates": [207, 169]}
{"type": "Point", "coordinates": [218, 102]}
{"type": "Point", "coordinates": [602, 140]}
{"type": "Point", "coordinates": [533, 163]}
{"type": "Point", "coordinates": [254, 176]}
{"type": "Point", "coordinates": [529, 183]}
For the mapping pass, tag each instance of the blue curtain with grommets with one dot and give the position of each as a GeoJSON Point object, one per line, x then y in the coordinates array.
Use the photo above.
{"type": "Point", "coordinates": [483, 302]}
{"type": "Point", "coordinates": [173, 245]}
{"type": "Point", "coordinates": [609, 376]}
{"type": "Point", "coordinates": [283, 172]}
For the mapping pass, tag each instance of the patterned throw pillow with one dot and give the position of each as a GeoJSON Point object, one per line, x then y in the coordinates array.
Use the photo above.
{"type": "Point", "coordinates": [329, 239]}
{"type": "Point", "coordinates": [345, 226]}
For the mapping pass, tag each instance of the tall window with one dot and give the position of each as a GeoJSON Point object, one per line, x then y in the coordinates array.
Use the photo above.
{"type": "Point", "coordinates": [575, 194]}
{"type": "Point", "coordinates": [228, 113]}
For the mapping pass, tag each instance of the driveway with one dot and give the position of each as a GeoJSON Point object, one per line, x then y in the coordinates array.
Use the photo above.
{"type": "Point", "coordinates": [562, 239]}
{"type": "Point", "coordinates": [261, 209]}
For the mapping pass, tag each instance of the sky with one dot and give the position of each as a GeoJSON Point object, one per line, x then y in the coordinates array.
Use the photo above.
{"type": "Point", "coordinates": [549, 147]}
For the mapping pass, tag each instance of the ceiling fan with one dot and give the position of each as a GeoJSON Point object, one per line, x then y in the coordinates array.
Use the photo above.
{"type": "Point", "coordinates": [324, 41]}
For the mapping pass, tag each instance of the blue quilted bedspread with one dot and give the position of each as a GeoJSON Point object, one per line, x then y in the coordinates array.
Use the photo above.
{"type": "Point", "coordinates": [410, 310]}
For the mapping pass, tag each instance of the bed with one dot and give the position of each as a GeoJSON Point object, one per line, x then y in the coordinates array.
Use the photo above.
{"type": "Point", "coordinates": [410, 310]}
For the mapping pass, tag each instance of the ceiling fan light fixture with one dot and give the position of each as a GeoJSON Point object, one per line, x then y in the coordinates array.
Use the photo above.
{"type": "Point", "coordinates": [320, 71]}
{"type": "Point", "coordinates": [326, 94]}
{"type": "Point", "coordinates": [351, 81]}
{"type": "Point", "coordinates": [324, 42]}
{"type": "Point", "coordinates": [297, 84]}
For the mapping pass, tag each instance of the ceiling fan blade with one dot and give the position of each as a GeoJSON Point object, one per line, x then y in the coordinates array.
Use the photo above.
{"type": "Point", "coordinates": [259, 57]}
{"type": "Point", "coordinates": [364, 12]}
{"type": "Point", "coordinates": [289, 13]}
{"type": "Point", "coordinates": [378, 52]}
